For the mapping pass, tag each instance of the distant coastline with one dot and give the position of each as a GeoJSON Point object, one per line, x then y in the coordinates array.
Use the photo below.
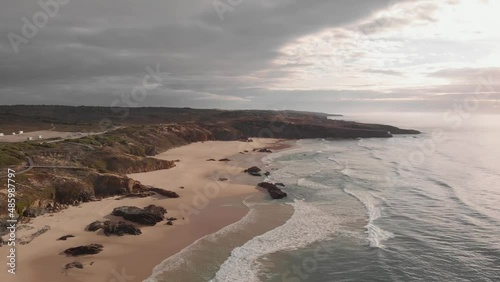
{"type": "Point", "coordinates": [112, 156]}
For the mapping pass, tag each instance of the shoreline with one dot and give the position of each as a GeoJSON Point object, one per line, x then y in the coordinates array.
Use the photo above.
{"type": "Point", "coordinates": [136, 256]}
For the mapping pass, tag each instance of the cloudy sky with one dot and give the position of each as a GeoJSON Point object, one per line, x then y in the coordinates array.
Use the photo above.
{"type": "Point", "coordinates": [323, 55]}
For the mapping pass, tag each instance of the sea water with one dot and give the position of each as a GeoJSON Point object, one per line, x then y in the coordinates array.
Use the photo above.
{"type": "Point", "coordinates": [408, 208]}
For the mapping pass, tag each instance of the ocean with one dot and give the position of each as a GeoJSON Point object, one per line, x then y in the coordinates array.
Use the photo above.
{"type": "Point", "coordinates": [408, 208]}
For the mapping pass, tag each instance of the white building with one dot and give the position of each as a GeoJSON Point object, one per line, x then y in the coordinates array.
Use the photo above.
{"type": "Point", "coordinates": [13, 133]}
{"type": "Point", "coordinates": [30, 138]}
{"type": "Point", "coordinates": [1, 134]}
{"type": "Point", "coordinates": [40, 137]}
{"type": "Point", "coordinates": [21, 132]}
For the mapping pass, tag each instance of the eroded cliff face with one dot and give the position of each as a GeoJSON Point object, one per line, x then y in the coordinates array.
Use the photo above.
{"type": "Point", "coordinates": [106, 185]}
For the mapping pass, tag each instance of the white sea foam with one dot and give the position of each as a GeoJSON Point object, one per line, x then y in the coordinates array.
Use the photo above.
{"type": "Point", "coordinates": [376, 235]}
{"type": "Point", "coordinates": [179, 258]}
{"type": "Point", "coordinates": [307, 225]}
{"type": "Point", "coordinates": [304, 182]}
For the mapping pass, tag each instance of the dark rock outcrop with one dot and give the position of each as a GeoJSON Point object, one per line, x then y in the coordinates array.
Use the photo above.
{"type": "Point", "coordinates": [34, 212]}
{"type": "Point", "coordinates": [94, 226]}
{"type": "Point", "coordinates": [211, 160]}
{"type": "Point", "coordinates": [255, 171]}
{"type": "Point", "coordinates": [91, 249]}
{"type": "Point", "coordinates": [163, 192]}
{"type": "Point", "coordinates": [120, 228]}
{"type": "Point", "coordinates": [156, 210]}
{"type": "Point", "coordinates": [264, 150]}
{"type": "Point", "coordinates": [75, 264]}
{"type": "Point", "coordinates": [147, 216]}
{"type": "Point", "coordinates": [3, 226]}
{"type": "Point", "coordinates": [143, 194]}
{"type": "Point", "coordinates": [65, 237]}
{"type": "Point", "coordinates": [110, 185]}
{"type": "Point", "coordinates": [273, 190]}
{"type": "Point", "coordinates": [224, 160]}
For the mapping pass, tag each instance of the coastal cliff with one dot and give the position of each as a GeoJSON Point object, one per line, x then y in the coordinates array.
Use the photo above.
{"type": "Point", "coordinates": [95, 165]}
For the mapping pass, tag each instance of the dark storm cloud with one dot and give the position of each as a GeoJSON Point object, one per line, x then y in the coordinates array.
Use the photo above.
{"type": "Point", "coordinates": [93, 50]}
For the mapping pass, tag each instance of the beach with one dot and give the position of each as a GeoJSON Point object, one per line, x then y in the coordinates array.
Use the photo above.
{"type": "Point", "coordinates": [211, 195]}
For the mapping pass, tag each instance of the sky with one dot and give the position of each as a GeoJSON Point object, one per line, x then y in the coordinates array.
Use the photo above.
{"type": "Point", "coordinates": [334, 56]}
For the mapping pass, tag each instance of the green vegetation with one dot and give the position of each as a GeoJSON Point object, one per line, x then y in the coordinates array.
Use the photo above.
{"type": "Point", "coordinates": [26, 199]}
{"type": "Point", "coordinates": [100, 166]}
{"type": "Point", "coordinates": [12, 154]}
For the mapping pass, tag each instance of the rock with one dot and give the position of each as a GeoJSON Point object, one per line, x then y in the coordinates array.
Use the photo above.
{"type": "Point", "coordinates": [91, 249]}
{"type": "Point", "coordinates": [264, 150]}
{"type": "Point", "coordinates": [106, 185]}
{"type": "Point", "coordinates": [182, 187]}
{"type": "Point", "coordinates": [157, 210]}
{"type": "Point", "coordinates": [171, 218]}
{"type": "Point", "coordinates": [253, 171]}
{"type": "Point", "coordinates": [143, 194]}
{"type": "Point", "coordinates": [163, 192]}
{"type": "Point", "coordinates": [211, 160]}
{"type": "Point", "coordinates": [224, 160]}
{"type": "Point", "coordinates": [267, 173]}
{"type": "Point", "coordinates": [94, 226]}
{"type": "Point", "coordinates": [63, 238]}
{"type": "Point", "coordinates": [279, 184]}
{"type": "Point", "coordinates": [277, 193]}
{"type": "Point", "coordinates": [267, 185]}
{"type": "Point", "coordinates": [273, 190]}
{"type": "Point", "coordinates": [246, 151]}
{"type": "Point", "coordinates": [74, 264]}
{"type": "Point", "coordinates": [34, 212]}
{"type": "Point", "coordinates": [120, 228]}
{"type": "Point", "coordinates": [68, 192]}
{"type": "Point", "coordinates": [170, 222]}
{"type": "Point", "coordinates": [147, 216]}
{"type": "Point", "coordinates": [223, 179]}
